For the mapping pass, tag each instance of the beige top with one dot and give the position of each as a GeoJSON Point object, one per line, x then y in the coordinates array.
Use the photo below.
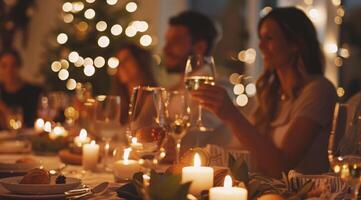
{"type": "Point", "coordinates": [316, 102]}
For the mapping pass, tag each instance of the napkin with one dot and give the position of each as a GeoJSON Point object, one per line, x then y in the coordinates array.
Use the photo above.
{"type": "Point", "coordinates": [129, 192]}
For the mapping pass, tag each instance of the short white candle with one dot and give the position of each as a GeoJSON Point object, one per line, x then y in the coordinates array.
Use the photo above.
{"type": "Point", "coordinates": [90, 156]}
{"type": "Point", "coordinates": [47, 126]}
{"type": "Point", "coordinates": [124, 169]}
{"type": "Point", "coordinates": [227, 191]}
{"type": "Point", "coordinates": [201, 177]}
{"type": "Point", "coordinates": [39, 125]}
{"type": "Point", "coordinates": [58, 131]}
{"type": "Point", "coordinates": [135, 145]}
{"type": "Point", "coordinates": [82, 138]}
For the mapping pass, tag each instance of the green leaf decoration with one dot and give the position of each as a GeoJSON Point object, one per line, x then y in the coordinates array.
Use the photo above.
{"type": "Point", "coordinates": [239, 169]}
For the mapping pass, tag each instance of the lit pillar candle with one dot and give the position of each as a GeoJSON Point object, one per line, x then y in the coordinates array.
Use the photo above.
{"type": "Point", "coordinates": [135, 145]}
{"type": "Point", "coordinates": [124, 169]}
{"type": "Point", "coordinates": [90, 156]}
{"type": "Point", "coordinates": [201, 177]}
{"type": "Point", "coordinates": [227, 191]}
{"type": "Point", "coordinates": [39, 125]}
{"type": "Point", "coordinates": [82, 138]}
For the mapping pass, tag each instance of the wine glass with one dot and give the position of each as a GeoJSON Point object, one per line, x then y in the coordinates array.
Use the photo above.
{"type": "Point", "coordinates": [344, 151]}
{"type": "Point", "coordinates": [147, 125]}
{"type": "Point", "coordinates": [15, 119]}
{"type": "Point", "coordinates": [178, 117]}
{"type": "Point", "coordinates": [107, 124]}
{"type": "Point", "coordinates": [199, 70]}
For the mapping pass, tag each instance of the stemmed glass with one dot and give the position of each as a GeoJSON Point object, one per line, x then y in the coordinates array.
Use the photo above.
{"type": "Point", "coordinates": [344, 149]}
{"type": "Point", "coordinates": [178, 117]}
{"type": "Point", "coordinates": [107, 124]}
{"type": "Point", "coordinates": [147, 125]}
{"type": "Point", "coordinates": [199, 70]}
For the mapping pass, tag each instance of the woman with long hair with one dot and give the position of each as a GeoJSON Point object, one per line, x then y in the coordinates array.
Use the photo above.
{"type": "Point", "coordinates": [290, 127]}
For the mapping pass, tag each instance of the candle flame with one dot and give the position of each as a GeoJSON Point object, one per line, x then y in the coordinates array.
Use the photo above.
{"type": "Point", "coordinates": [47, 127]}
{"type": "Point", "coordinates": [92, 142]}
{"type": "Point", "coordinates": [39, 123]}
{"type": "Point", "coordinates": [197, 160]}
{"type": "Point", "coordinates": [83, 134]}
{"type": "Point", "coordinates": [126, 154]}
{"type": "Point", "coordinates": [227, 182]}
{"type": "Point", "coordinates": [134, 140]}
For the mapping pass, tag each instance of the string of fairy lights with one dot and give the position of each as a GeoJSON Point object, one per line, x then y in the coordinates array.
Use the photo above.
{"type": "Point", "coordinates": [103, 41]}
{"type": "Point", "coordinates": [244, 86]}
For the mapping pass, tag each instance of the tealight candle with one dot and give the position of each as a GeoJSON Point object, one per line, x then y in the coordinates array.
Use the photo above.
{"type": "Point", "coordinates": [201, 177]}
{"type": "Point", "coordinates": [135, 145]}
{"type": "Point", "coordinates": [39, 125]}
{"type": "Point", "coordinates": [58, 131]}
{"type": "Point", "coordinates": [82, 138]}
{"type": "Point", "coordinates": [227, 191]}
{"type": "Point", "coordinates": [124, 169]}
{"type": "Point", "coordinates": [90, 156]}
{"type": "Point", "coordinates": [47, 126]}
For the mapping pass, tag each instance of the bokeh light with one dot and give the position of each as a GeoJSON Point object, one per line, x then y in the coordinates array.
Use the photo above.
{"type": "Point", "coordinates": [131, 7]}
{"type": "Point", "coordinates": [99, 62]}
{"type": "Point", "coordinates": [89, 13]}
{"type": "Point", "coordinates": [71, 84]}
{"type": "Point", "coordinates": [103, 41]}
{"type": "Point", "coordinates": [63, 74]}
{"type": "Point", "coordinates": [89, 70]}
{"type": "Point", "coordinates": [145, 40]}
{"type": "Point", "coordinates": [113, 62]}
{"type": "Point", "coordinates": [55, 66]}
{"type": "Point", "coordinates": [101, 26]}
{"type": "Point", "coordinates": [116, 29]}
{"type": "Point", "coordinates": [62, 38]}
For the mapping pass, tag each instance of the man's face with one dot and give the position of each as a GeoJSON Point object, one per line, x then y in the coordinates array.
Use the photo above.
{"type": "Point", "coordinates": [8, 68]}
{"type": "Point", "coordinates": [177, 48]}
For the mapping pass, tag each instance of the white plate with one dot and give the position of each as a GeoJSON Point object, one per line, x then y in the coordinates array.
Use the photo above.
{"type": "Point", "coordinates": [12, 184]}
{"type": "Point", "coordinates": [9, 163]}
{"type": "Point", "coordinates": [29, 196]}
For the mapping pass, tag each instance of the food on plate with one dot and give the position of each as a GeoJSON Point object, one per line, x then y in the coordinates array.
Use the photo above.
{"type": "Point", "coordinates": [61, 179]}
{"type": "Point", "coordinates": [36, 176]}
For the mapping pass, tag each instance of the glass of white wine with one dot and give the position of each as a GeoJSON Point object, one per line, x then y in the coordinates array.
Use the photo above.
{"type": "Point", "coordinates": [199, 70]}
{"type": "Point", "coordinates": [107, 122]}
{"type": "Point", "coordinates": [178, 117]}
{"type": "Point", "coordinates": [344, 150]}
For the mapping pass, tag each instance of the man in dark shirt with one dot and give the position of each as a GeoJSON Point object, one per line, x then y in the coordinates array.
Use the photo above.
{"type": "Point", "coordinates": [14, 92]}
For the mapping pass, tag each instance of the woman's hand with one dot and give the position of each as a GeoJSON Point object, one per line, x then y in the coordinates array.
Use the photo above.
{"type": "Point", "coordinates": [216, 99]}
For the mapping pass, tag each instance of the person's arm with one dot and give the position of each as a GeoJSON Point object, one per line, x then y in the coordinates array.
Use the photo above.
{"type": "Point", "coordinates": [270, 159]}
{"type": "Point", "coordinates": [4, 113]}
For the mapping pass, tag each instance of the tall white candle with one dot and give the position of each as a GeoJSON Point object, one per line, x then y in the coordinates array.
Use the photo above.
{"type": "Point", "coordinates": [201, 177]}
{"type": "Point", "coordinates": [90, 156]}
{"type": "Point", "coordinates": [39, 125]}
{"type": "Point", "coordinates": [124, 169]}
{"type": "Point", "coordinates": [227, 192]}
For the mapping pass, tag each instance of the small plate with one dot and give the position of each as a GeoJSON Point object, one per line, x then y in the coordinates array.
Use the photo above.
{"type": "Point", "coordinates": [12, 184]}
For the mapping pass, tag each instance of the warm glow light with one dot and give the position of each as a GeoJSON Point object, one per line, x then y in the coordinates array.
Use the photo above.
{"type": "Point", "coordinates": [227, 182]}
{"type": "Point", "coordinates": [251, 89]}
{"type": "Point", "coordinates": [247, 56]}
{"type": "Point", "coordinates": [314, 14]}
{"type": "Point", "coordinates": [116, 29]}
{"type": "Point", "coordinates": [131, 7]}
{"type": "Point", "coordinates": [344, 52]}
{"type": "Point", "coordinates": [265, 11]}
{"type": "Point", "coordinates": [308, 2]}
{"type": "Point", "coordinates": [88, 61]}
{"type": "Point", "coordinates": [340, 92]}
{"type": "Point", "coordinates": [112, 2]}
{"type": "Point", "coordinates": [55, 66]}
{"type": "Point", "coordinates": [113, 62]}
{"type": "Point", "coordinates": [68, 18]}
{"type": "Point", "coordinates": [338, 61]}
{"type": "Point", "coordinates": [62, 38]}
{"type": "Point", "coordinates": [67, 7]}
{"type": "Point", "coordinates": [93, 142]}
{"type": "Point", "coordinates": [134, 140]}
{"type": "Point", "coordinates": [103, 41]}
{"type": "Point", "coordinates": [336, 2]}
{"type": "Point", "coordinates": [140, 26]}
{"type": "Point", "coordinates": [64, 64]}
{"type": "Point", "coordinates": [82, 26]}
{"type": "Point", "coordinates": [234, 78]}
{"type": "Point", "coordinates": [79, 62]}
{"type": "Point", "coordinates": [338, 20]}
{"type": "Point", "coordinates": [99, 62]}
{"type": "Point", "coordinates": [47, 127]}
{"type": "Point", "coordinates": [242, 100]}
{"type": "Point", "coordinates": [71, 84]}
{"type": "Point", "coordinates": [63, 74]}
{"type": "Point", "coordinates": [90, 1]}
{"type": "Point", "coordinates": [39, 123]}
{"type": "Point", "coordinates": [73, 56]}
{"type": "Point", "coordinates": [331, 48]}
{"type": "Point", "coordinates": [89, 70]}
{"type": "Point", "coordinates": [89, 13]}
{"type": "Point", "coordinates": [130, 31]}
{"type": "Point", "coordinates": [83, 134]}
{"type": "Point", "coordinates": [77, 6]}
{"type": "Point", "coordinates": [340, 12]}
{"type": "Point", "coordinates": [126, 154]}
{"type": "Point", "coordinates": [238, 89]}
{"type": "Point", "coordinates": [145, 40]}
{"type": "Point", "coordinates": [101, 26]}
{"type": "Point", "coordinates": [197, 160]}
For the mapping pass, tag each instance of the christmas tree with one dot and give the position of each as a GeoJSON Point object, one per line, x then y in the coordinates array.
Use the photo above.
{"type": "Point", "coordinates": [82, 49]}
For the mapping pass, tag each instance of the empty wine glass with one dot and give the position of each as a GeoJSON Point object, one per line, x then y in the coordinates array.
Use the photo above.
{"type": "Point", "coordinates": [178, 117]}
{"type": "Point", "coordinates": [107, 124]}
{"type": "Point", "coordinates": [199, 70]}
{"type": "Point", "coordinates": [147, 125]}
{"type": "Point", "coordinates": [344, 150]}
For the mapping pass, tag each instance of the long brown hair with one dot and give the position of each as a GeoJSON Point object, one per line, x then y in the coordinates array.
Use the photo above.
{"type": "Point", "coordinates": [299, 31]}
{"type": "Point", "coordinates": [145, 62]}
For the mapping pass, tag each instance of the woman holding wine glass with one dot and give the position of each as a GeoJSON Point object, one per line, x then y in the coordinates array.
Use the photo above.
{"type": "Point", "coordinates": [291, 124]}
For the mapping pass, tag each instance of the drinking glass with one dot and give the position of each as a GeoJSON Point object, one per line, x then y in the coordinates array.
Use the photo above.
{"type": "Point", "coordinates": [177, 117]}
{"type": "Point", "coordinates": [344, 149]}
{"type": "Point", "coordinates": [107, 122]}
{"type": "Point", "coordinates": [15, 119]}
{"type": "Point", "coordinates": [199, 70]}
{"type": "Point", "coordinates": [147, 125]}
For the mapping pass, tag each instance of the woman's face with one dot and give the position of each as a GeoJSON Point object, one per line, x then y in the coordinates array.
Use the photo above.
{"type": "Point", "coordinates": [277, 52]}
{"type": "Point", "coordinates": [8, 68]}
{"type": "Point", "coordinates": [128, 69]}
